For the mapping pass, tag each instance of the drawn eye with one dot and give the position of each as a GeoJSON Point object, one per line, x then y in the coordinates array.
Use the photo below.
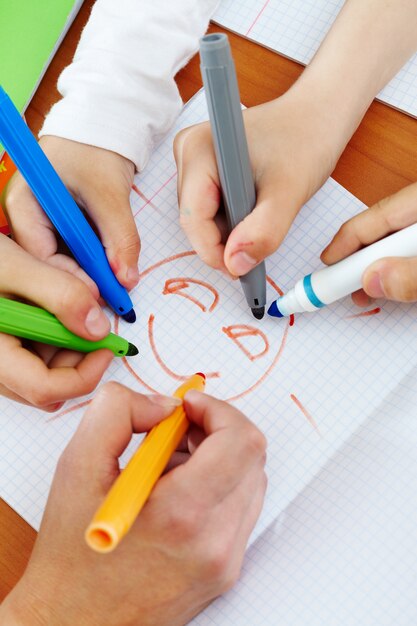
{"type": "Point", "coordinates": [250, 340]}
{"type": "Point", "coordinates": [197, 291]}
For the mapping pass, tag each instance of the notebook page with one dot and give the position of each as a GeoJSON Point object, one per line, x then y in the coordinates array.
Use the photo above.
{"type": "Point", "coordinates": [345, 552]}
{"type": "Point", "coordinates": [308, 385]}
{"type": "Point", "coordinates": [296, 28]}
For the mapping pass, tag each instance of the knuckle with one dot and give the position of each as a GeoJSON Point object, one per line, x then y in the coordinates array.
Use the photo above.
{"type": "Point", "coordinates": [111, 389]}
{"type": "Point", "coordinates": [185, 523]}
{"type": "Point", "coordinates": [216, 568]}
{"type": "Point", "coordinates": [254, 442]}
{"type": "Point", "coordinates": [40, 396]}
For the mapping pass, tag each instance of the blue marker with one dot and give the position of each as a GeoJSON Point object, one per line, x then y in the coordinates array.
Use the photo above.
{"type": "Point", "coordinates": [60, 206]}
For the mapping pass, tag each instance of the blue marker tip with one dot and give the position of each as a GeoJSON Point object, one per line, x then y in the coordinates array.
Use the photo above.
{"type": "Point", "coordinates": [274, 310]}
{"type": "Point", "coordinates": [130, 316]}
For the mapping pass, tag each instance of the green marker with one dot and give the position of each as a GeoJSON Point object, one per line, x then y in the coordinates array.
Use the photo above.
{"type": "Point", "coordinates": [31, 322]}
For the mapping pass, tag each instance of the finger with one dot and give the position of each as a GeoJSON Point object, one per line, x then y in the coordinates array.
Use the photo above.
{"type": "Point", "coordinates": [199, 193]}
{"type": "Point", "coordinates": [262, 231]}
{"type": "Point", "coordinates": [360, 298]}
{"type": "Point", "coordinates": [105, 197]}
{"type": "Point", "coordinates": [232, 446]}
{"type": "Point", "coordinates": [392, 278]}
{"type": "Point", "coordinates": [42, 386]}
{"type": "Point", "coordinates": [385, 217]}
{"type": "Point", "coordinates": [110, 209]}
{"type": "Point", "coordinates": [67, 264]}
{"type": "Point", "coordinates": [10, 395]}
{"type": "Point", "coordinates": [29, 224]}
{"type": "Point", "coordinates": [108, 424]}
{"type": "Point", "coordinates": [60, 293]}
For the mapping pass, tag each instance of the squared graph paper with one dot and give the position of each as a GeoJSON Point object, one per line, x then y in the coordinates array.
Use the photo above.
{"type": "Point", "coordinates": [296, 28]}
{"type": "Point", "coordinates": [312, 386]}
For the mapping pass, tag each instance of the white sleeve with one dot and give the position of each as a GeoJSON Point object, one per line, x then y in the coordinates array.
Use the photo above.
{"type": "Point", "coordinates": [119, 92]}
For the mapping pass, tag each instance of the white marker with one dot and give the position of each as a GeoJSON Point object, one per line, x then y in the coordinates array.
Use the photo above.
{"type": "Point", "coordinates": [343, 278]}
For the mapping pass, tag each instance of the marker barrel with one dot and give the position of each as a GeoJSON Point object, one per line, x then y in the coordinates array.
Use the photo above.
{"type": "Point", "coordinates": [59, 205]}
{"type": "Point", "coordinates": [30, 322]}
{"type": "Point", "coordinates": [135, 483]}
{"type": "Point", "coordinates": [343, 278]}
{"type": "Point", "coordinates": [231, 148]}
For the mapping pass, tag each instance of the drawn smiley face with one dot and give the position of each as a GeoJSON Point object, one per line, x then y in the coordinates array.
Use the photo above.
{"type": "Point", "coordinates": [191, 318]}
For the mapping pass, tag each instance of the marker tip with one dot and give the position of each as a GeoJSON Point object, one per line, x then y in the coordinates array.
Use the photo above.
{"type": "Point", "coordinates": [274, 310]}
{"type": "Point", "coordinates": [258, 312]}
{"type": "Point", "coordinates": [130, 316]}
{"type": "Point", "coordinates": [132, 350]}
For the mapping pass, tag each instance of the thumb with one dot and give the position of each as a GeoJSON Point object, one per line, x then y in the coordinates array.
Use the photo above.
{"type": "Point", "coordinates": [111, 212]}
{"type": "Point", "coordinates": [260, 233]}
{"type": "Point", "coordinates": [392, 278]}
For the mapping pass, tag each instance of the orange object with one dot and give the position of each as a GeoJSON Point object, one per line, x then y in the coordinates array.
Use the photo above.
{"type": "Point", "coordinates": [7, 169]}
{"type": "Point", "coordinates": [133, 486]}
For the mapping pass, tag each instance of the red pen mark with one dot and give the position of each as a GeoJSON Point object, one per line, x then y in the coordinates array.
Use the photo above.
{"type": "Point", "coordinates": [257, 18]}
{"type": "Point", "coordinates": [142, 195]}
{"type": "Point", "coordinates": [178, 286]}
{"type": "Point", "coordinates": [305, 413]}
{"type": "Point", "coordinates": [69, 410]}
{"type": "Point", "coordinates": [243, 330]}
{"type": "Point", "coordinates": [155, 194]}
{"type": "Point", "coordinates": [365, 313]}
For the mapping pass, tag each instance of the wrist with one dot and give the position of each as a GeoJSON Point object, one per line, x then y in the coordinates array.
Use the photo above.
{"type": "Point", "coordinates": [22, 608]}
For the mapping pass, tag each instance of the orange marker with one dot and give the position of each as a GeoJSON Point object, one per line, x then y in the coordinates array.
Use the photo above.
{"type": "Point", "coordinates": [135, 483]}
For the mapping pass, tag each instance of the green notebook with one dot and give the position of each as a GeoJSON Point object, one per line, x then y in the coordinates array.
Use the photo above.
{"type": "Point", "coordinates": [30, 33]}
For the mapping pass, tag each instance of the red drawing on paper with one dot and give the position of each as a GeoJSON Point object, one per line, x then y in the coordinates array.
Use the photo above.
{"type": "Point", "coordinates": [179, 286]}
{"type": "Point", "coordinates": [170, 342]}
{"type": "Point", "coordinates": [143, 197]}
{"type": "Point", "coordinates": [149, 201]}
{"type": "Point", "coordinates": [160, 320]}
{"type": "Point", "coordinates": [243, 330]}
{"type": "Point", "coordinates": [364, 313]}
{"type": "Point", "coordinates": [305, 413]}
{"type": "Point", "coordinates": [257, 17]}
{"type": "Point", "coordinates": [70, 409]}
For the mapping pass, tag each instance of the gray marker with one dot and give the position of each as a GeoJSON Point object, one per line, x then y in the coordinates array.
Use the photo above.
{"type": "Point", "coordinates": [231, 149]}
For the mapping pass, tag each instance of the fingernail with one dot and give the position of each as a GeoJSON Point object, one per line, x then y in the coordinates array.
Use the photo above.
{"type": "Point", "coordinates": [241, 263]}
{"type": "Point", "coordinates": [132, 275]}
{"type": "Point", "coordinates": [165, 401]}
{"type": "Point", "coordinates": [97, 323]}
{"type": "Point", "coordinates": [56, 406]}
{"type": "Point", "coordinates": [374, 286]}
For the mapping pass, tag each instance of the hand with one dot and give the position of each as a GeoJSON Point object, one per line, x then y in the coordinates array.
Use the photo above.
{"type": "Point", "coordinates": [392, 278]}
{"type": "Point", "coordinates": [100, 181]}
{"type": "Point", "coordinates": [40, 375]}
{"type": "Point", "coordinates": [185, 548]}
{"type": "Point", "coordinates": [290, 161]}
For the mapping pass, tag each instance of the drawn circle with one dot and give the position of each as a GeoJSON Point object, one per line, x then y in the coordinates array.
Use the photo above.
{"type": "Point", "coordinates": [240, 355]}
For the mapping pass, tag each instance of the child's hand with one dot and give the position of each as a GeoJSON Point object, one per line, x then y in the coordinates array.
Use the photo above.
{"type": "Point", "coordinates": [100, 181]}
{"type": "Point", "coordinates": [188, 543]}
{"type": "Point", "coordinates": [41, 375]}
{"type": "Point", "coordinates": [391, 278]}
{"type": "Point", "coordinates": [291, 159]}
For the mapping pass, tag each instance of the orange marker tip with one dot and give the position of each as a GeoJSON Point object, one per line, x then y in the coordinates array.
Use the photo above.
{"type": "Point", "coordinates": [201, 374]}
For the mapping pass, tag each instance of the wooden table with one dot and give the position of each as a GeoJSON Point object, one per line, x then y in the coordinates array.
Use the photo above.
{"type": "Point", "coordinates": [380, 159]}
